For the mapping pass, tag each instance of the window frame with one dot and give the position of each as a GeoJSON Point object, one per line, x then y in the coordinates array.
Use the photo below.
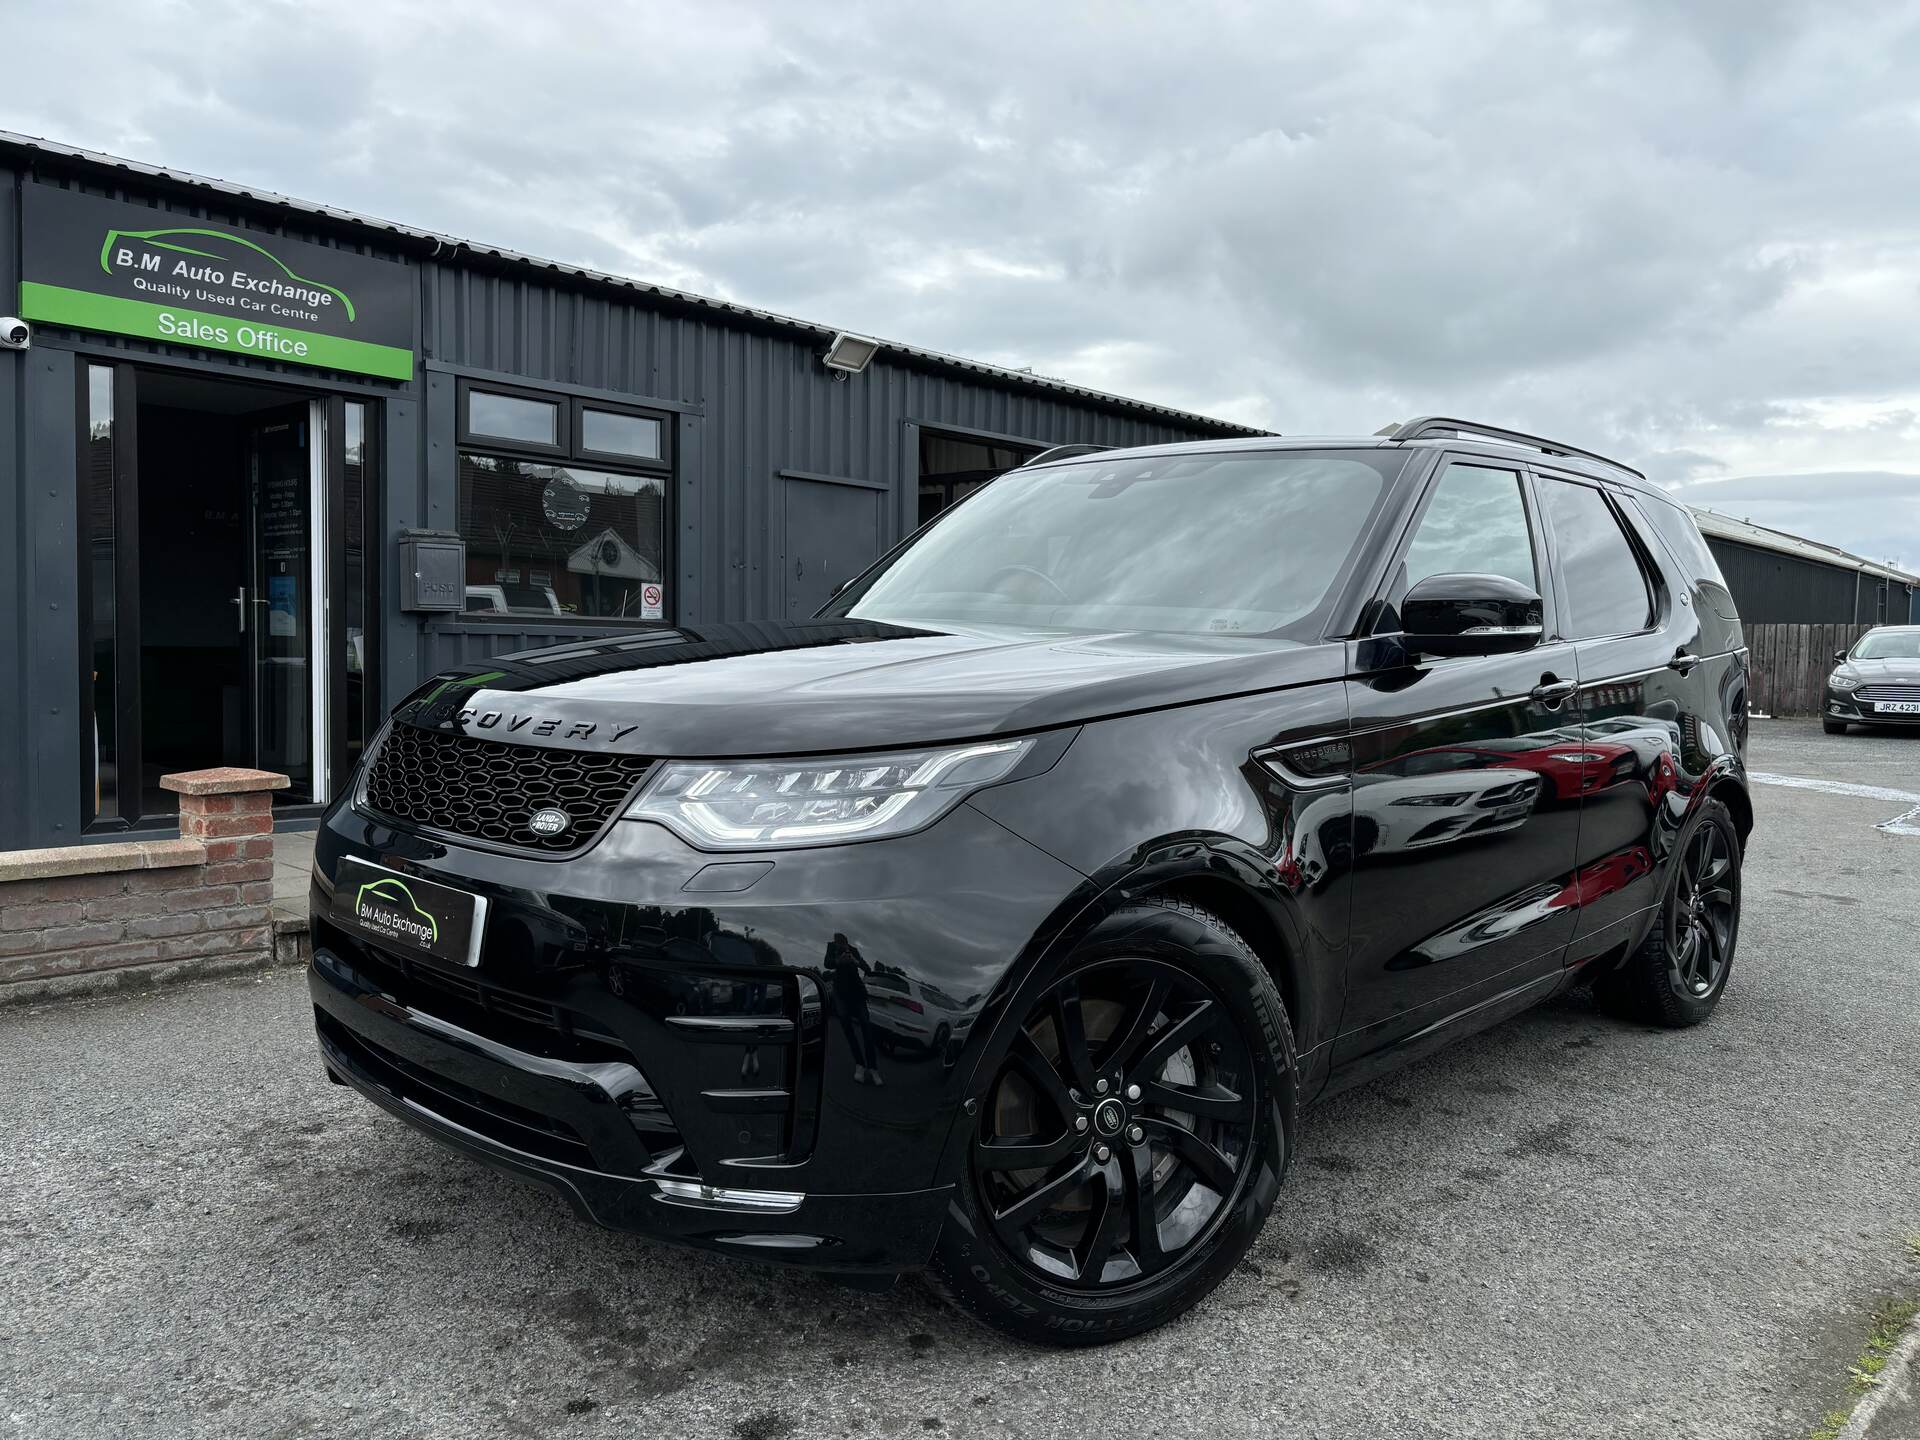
{"type": "Point", "coordinates": [1651, 575]}
{"type": "Point", "coordinates": [572, 454]}
{"type": "Point", "coordinates": [601, 459]}
{"type": "Point", "coordinates": [1439, 478]}
{"type": "Point", "coordinates": [372, 502]}
{"type": "Point", "coordinates": [468, 438]}
{"type": "Point", "coordinates": [1388, 597]}
{"type": "Point", "coordinates": [946, 481]}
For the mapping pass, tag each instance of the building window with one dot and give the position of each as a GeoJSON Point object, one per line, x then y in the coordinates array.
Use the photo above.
{"type": "Point", "coordinates": [952, 467]}
{"type": "Point", "coordinates": [517, 419]}
{"type": "Point", "coordinates": [630, 437]}
{"type": "Point", "coordinates": [575, 532]}
{"type": "Point", "coordinates": [561, 540]}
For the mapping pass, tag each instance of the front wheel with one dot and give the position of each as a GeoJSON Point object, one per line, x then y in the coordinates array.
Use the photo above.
{"type": "Point", "coordinates": [1129, 1139]}
{"type": "Point", "coordinates": [1834, 727]}
{"type": "Point", "coordinates": [1677, 975]}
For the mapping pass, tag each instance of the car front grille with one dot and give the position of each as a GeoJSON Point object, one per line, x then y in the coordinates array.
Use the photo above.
{"type": "Point", "coordinates": [487, 790]}
{"type": "Point", "coordinates": [1871, 693]}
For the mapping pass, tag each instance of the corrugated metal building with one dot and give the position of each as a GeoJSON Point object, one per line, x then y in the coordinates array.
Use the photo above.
{"type": "Point", "coordinates": [266, 464]}
{"type": "Point", "coordinates": [1781, 579]}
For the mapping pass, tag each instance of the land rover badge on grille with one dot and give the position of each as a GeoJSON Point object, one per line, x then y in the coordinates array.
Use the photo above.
{"type": "Point", "coordinates": [549, 821]}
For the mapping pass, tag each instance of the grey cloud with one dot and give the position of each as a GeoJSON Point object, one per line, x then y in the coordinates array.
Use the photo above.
{"type": "Point", "coordinates": [1689, 235]}
{"type": "Point", "coordinates": [1835, 485]}
{"type": "Point", "coordinates": [1684, 465]}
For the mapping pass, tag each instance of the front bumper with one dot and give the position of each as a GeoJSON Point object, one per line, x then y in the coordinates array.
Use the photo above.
{"type": "Point", "coordinates": [1849, 706]}
{"type": "Point", "coordinates": [477, 1096]}
{"type": "Point", "coordinates": [702, 1066]}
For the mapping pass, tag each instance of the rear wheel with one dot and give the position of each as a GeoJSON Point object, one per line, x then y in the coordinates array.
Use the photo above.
{"type": "Point", "coordinates": [1677, 975]}
{"type": "Point", "coordinates": [1834, 727]}
{"type": "Point", "coordinates": [1131, 1138]}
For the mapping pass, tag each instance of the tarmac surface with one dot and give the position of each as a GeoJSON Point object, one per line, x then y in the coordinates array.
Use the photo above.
{"type": "Point", "coordinates": [1566, 1226]}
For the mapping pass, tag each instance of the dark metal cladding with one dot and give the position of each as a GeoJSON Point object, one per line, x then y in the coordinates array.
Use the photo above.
{"type": "Point", "coordinates": [779, 466]}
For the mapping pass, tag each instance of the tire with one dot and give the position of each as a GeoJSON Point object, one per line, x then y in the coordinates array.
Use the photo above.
{"type": "Point", "coordinates": [1668, 980]}
{"type": "Point", "coordinates": [1072, 1250]}
{"type": "Point", "coordinates": [1834, 727]}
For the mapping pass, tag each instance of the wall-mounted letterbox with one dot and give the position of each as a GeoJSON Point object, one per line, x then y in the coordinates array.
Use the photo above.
{"type": "Point", "coordinates": [433, 572]}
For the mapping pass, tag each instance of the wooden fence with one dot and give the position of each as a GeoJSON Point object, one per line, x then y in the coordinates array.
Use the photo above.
{"type": "Point", "coordinates": [1790, 665]}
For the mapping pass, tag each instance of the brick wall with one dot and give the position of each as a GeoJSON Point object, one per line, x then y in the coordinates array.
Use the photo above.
{"type": "Point", "coordinates": [128, 907]}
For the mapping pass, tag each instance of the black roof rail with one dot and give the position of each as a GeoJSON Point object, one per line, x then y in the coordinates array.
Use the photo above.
{"type": "Point", "coordinates": [1423, 427]}
{"type": "Point", "coordinates": [1063, 452]}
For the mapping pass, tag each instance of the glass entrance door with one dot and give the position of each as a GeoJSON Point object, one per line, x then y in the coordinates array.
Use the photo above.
{"type": "Point", "coordinates": [285, 514]}
{"type": "Point", "coordinates": [227, 611]}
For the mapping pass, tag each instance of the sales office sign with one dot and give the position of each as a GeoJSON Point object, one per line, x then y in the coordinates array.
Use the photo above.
{"type": "Point", "coordinates": [97, 264]}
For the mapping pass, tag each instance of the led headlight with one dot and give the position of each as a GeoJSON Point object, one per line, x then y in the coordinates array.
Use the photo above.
{"type": "Point", "coordinates": [1838, 681]}
{"type": "Point", "coordinates": [759, 805]}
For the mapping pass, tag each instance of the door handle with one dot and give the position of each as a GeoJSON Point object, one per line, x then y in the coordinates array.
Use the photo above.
{"type": "Point", "coordinates": [239, 603]}
{"type": "Point", "coordinates": [1683, 662]}
{"type": "Point", "coordinates": [1551, 692]}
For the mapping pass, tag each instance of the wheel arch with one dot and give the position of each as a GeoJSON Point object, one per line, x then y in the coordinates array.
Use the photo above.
{"type": "Point", "coordinates": [1250, 917]}
{"type": "Point", "coordinates": [1219, 874]}
{"type": "Point", "coordinates": [1731, 791]}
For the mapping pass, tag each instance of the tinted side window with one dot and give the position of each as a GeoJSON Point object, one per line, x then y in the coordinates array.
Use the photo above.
{"type": "Point", "coordinates": [1679, 534]}
{"type": "Point", "coordinates": [1476, 524]}
{"type": "Point", "coordinates": [1606, 589]}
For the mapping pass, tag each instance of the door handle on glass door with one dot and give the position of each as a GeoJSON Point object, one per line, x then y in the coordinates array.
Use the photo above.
{"type": "Point", "coordinates": [239, 603]}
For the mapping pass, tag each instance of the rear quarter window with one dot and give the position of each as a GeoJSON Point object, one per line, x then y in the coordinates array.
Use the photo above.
{"type": "Point", "coordinates": [1679, 534]}
{"type": "Point", "coordinates": [1688, 548]}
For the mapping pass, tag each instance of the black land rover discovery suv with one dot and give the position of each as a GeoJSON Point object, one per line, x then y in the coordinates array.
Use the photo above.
{"type": "Point", "coordinates": [1001, 920]}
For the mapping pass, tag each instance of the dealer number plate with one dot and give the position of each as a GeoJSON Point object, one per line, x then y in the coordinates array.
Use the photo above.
{"type": "Point", "coordinates": [409, 915]}
{"type": "Point", "coordinates": [1896, 707]}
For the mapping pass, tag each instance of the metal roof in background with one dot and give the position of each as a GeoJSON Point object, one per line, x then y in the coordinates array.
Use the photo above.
{"type": "Point", "coordinates": [1716, 526]}
{"type": "Point", "coordinates": [29, 147]}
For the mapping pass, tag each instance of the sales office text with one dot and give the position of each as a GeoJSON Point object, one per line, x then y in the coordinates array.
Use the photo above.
{"type": "Point", "coordinates": [247, 337]}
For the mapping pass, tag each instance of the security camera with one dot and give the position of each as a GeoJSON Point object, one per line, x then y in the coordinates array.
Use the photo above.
{"type": "Point", "coordinates": [14, 334]}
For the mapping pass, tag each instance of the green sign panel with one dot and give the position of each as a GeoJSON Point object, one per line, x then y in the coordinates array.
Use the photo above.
{"type": "Point", "coordinates": [95, 264]}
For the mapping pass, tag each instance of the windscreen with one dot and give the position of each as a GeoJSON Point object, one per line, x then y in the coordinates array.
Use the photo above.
{"type": "Point", "coordinates": [1248, 542]}
{"type": "Point", "coordinates": [1888, 645]}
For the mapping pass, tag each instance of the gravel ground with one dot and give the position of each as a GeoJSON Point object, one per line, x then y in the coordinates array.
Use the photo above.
{"type": "Point", "coordinates": [1566, 1226]}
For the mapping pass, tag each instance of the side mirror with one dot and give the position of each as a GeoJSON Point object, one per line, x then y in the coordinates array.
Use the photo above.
{"type": "Point", "coordinates": [1470, 615]}
{"type": "Point", "coordinates": [1839, 657]}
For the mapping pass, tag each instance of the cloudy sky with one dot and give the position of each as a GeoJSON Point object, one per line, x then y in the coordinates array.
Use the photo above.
{"type": "Point", "coordinates": [1684, 231]}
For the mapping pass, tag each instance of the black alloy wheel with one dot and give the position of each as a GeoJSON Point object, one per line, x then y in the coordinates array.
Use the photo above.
{"type": "Point", "coordinates": [1680, 970]}
{"type": "Point", "coordinates": [1130, 1137]}
{"type": "Point", "coordinates": [1699, 919]}
{"type": "Point", "coordinates": [1120, 1126]}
